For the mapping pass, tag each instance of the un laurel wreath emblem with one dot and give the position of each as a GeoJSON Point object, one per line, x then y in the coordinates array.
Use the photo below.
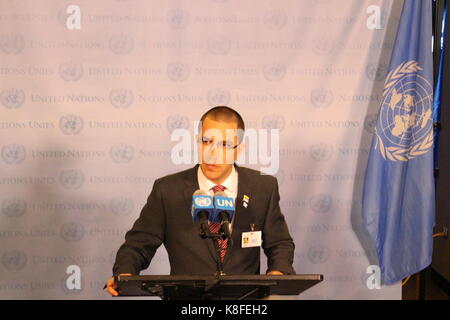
{"type": "Point", "coordinates": [405, 123]}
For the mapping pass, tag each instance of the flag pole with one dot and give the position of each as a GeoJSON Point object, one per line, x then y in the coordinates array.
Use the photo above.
{"type": "Point", "coordinates": [438, 13]}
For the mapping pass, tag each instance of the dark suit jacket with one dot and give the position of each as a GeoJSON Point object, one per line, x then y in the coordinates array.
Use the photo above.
{"type": "Point", "coordinates": [166, 219]}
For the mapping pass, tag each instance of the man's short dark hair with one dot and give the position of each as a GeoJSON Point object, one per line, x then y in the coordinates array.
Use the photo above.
{"type": "Point", "coordinates": [223, 113]}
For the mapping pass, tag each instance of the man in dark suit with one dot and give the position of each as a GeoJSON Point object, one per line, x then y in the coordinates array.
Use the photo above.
{"type": "Point", "coordinates": [166, 217]}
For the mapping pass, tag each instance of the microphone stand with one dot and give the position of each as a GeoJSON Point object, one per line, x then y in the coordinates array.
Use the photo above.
{"type": "Point", "coordinates": [206, 234]}
{"type": "Point", "coordinates": [219, 271]}
{"type": "Point", "coordinates": [214, 237]}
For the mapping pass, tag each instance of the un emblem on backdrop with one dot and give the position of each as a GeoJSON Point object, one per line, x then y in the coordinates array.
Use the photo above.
{"type": "Point", "coordinates": [12, 98]}
{"type": "Point", "coordinates": [273, 121]}
{"type": "Point", "coordinates": [377, 72]}
{"type": "Point", "coordinates": [218, 97]}
{"type": "Point", "coordinates": [14, 207]}
{"type": "Point", "coordinates": [370, 123]}
{"type": "Point", "coordinates": [71, 179]}
{"type": "Point", "coordinates": [219, 45]}
{"type": "Point", "coordinates": [72, 232]}
{"type": "Point", "coordinates": [121, 206]}
{"type": "Point", "coordinates": [323, 46]}
{"type": "Point", "coordinates": [321, 203]}
{"type": "Point", "coordinates": [318, 254]}
{"type": "Point", "coordinates": [12, 44]}
{"type": "Point", "coordinates": [177, 122]}
{"type": "Point", "coordinates": [275, 19]}
{"type": "Point", "coordinates": [405, 127]}
{"type": "Point", "coordinates": [322, 98]}
{"type": "Point", "coordinates": [121, 44]}
{"type": "Point", "coordinates": [71, 71]}
{"type": "Point", "coordinates": [321, 151]}
{"type": "Point", "coordinates": [13, 154]}
{"type": "Point", "coordinates": [121, 98]}
{"type": "Point", "coordinates": [14, 260]}
{"type": "Point", "coordinates": [71, 291]}
{"type": "Point", "coordinates": [177, 19]}
{"type": "Point", "coordinates": [61, 16]}
{"type": "Point", "coordinates": [274, 71]}
{"type": "Point", "coordinates": [71, 124]}
{"type": "Point", "coordinates": [121, 153]}
{"type": "Point", "coordinates": [178, 71]}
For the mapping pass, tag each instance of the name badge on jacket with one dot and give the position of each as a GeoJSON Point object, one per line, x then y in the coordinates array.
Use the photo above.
{"type": "Point", "coordinates": [251, 239]}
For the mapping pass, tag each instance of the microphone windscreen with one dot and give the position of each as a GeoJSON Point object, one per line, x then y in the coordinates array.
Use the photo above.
{"type": "Point", "coordinates": [200, 193]}
{"type": "Point", "coordinates": [221, 194]}
{"type": "Point", "coordinates": [222, 203]}
{"type": "Point", "coordinates": [202, 204]}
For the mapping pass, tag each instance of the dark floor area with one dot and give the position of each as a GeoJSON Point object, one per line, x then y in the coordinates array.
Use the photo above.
{"type": "Point", "coordinates": [436, 287]}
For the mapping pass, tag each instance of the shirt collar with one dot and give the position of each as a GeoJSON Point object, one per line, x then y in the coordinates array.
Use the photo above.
{"type": "Point", "coordinates": [230, 183]}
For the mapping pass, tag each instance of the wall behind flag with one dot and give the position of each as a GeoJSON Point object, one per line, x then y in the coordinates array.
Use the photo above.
{"type": "Point", "coordinates": [90, 95]}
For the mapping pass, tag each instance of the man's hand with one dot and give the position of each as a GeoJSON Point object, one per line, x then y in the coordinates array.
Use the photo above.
{"type": "Point", "coordinates": [111, 286]}
{"type": "Point", "coordinates": [275, 273]}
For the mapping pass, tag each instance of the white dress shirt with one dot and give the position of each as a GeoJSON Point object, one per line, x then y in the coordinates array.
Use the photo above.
{"type": "Point", "coordinates": [230, 184]}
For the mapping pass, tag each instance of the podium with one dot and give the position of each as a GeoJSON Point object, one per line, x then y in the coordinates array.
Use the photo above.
{"type": "Point", "coordinates": [221, 287]}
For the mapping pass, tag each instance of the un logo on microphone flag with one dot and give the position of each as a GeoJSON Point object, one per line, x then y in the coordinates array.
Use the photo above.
{"type": "Point", "coordinates": [202, 201]}
{"type": "Point", "coordinates": [405, 126]}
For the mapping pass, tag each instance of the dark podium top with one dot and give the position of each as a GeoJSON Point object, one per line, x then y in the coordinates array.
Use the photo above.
{"type": "Point", "coordinates": [215, 287]}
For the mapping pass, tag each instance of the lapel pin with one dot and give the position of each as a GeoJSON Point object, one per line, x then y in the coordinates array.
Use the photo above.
{"type": "Point", "coordinates": [246, 200]}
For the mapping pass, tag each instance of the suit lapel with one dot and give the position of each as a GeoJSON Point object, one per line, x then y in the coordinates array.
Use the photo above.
{"type": "Point", "coordinates": [191, 185]}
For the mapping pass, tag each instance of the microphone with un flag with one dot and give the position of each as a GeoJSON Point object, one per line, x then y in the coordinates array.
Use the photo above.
{"type": "Point", "coordinates": [398, 205]}
{"type": "Point", "coordinates": [223, 213]}
{"type": "Point", "coordinates": [202, 210]}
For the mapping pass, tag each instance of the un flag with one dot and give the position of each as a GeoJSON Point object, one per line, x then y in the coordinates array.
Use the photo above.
{"type": "Point", "coordinates": [398, 205]}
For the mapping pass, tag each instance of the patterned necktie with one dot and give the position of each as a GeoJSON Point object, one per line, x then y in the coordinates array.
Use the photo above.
{"type": "Point", "coordinates": [214, 227]}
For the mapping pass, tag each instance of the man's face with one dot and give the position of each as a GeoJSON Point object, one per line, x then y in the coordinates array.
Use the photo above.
{"type": "Point", "coordinates": [218, 146]}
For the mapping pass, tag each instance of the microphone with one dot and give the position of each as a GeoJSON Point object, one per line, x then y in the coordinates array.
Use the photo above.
{"type": "Point", "coordinates": [202, 210]}
{"type": "Point", "coordinates": [224, 212]}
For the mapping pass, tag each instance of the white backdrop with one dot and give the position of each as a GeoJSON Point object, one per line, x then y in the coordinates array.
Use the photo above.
{"type": "Point", "coordinates": [86, 117]}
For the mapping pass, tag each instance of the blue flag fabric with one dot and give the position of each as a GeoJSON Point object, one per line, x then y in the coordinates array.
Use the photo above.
{"type": "Point", "coordinates": [398, 204]}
